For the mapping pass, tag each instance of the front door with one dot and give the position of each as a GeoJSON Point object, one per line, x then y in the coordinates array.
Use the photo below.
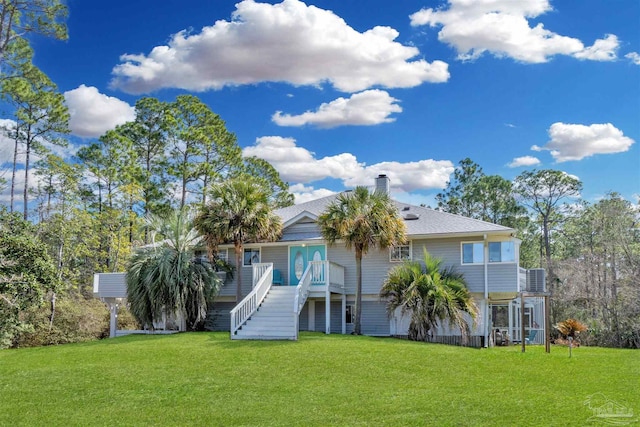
{"type": "Point", "coordinates": [299, 257]}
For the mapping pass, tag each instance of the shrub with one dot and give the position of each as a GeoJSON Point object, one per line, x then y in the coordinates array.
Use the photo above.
{"type": "Point", "coordinates": [76, 320]}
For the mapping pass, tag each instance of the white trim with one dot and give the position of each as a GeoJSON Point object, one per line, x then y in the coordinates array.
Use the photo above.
{"type": "Point", "coordinates": [410, 245]}
{"type": "Point", "coordinates": [476, 242]}
{"type": "Point", "coordinates": [515, 252]}
{"type": "Point", "coordinates": [259, 249]}
{"type": "Point", "coordinates": [303, 214]}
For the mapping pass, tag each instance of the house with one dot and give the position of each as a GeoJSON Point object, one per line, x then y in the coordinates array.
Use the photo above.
{"type": "Point", "coordinates": [315, 284]}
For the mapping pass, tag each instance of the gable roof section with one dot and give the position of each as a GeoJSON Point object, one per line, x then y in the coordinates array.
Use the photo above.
{"type": "Point", "coordinates": [427, 222]}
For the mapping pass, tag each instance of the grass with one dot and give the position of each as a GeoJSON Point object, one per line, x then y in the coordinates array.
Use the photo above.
{"type": "Point", "coordinates": [206, 379]}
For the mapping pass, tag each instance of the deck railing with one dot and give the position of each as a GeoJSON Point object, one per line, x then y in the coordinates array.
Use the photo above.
{"type": "Point", "coordinates": [258, 271]}
{"type": "Point", "coordinates": [336, 274]}
{"type": "Point", "coordinates": [302, 290]}
{"type": "Point", "coordinates": [326, 273]}
{"type": "Point", "coordinates": [263, 278]}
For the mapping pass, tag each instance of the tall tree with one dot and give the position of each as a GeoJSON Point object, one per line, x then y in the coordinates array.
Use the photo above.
{"type": "Point", "coordinates": [148, 135]}
{"type": "Point", "coordinates": [239, 212]}
{"type": "Point", "coordinates": [168, 278]}
{"type": "Point", "coordinates": [19, 18]}
{"type": "Point", "coordinates": [496, 202]}
{"type": "Point", "coordinates": [363, 221]}
{"type": "Point", "coordinates": [430, 295]}
{"type": "Point", "coordinates": [41, 117]}
{"type": "Point", "coordinates": [600, 270]}
{"type": "Point", "coordinates": [543, 191]}
{"type": "Point", "coordinates": [458, 196]}
{"type": "Point", "coordinates": [264, 172]}
{"type": "Point", "coordinates": [201, 147]}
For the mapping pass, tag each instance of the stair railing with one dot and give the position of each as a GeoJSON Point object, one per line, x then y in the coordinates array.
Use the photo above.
{"type": "Point", "coordinates": [248, 306]}
{"type": "Point", "coordinates": [301, 294]}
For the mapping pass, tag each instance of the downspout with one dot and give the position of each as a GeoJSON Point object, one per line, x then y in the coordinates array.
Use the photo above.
{"type": "Point", "coordinates": [486, 291]}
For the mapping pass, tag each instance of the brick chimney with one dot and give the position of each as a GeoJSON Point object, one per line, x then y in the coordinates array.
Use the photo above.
{"type": "Point", "coordinates": [382, 184]}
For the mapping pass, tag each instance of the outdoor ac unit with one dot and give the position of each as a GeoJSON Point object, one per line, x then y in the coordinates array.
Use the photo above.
{"type": "Point", "coordinates": [535, 280]}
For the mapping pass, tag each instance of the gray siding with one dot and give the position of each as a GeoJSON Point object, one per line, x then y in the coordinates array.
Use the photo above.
{"type": "Point", "coordinates": [218, 318]}
{"type": "Point", "coordinates": [336, 316]}
{"type": "Point", "coordinates": [278, 255]}
{"type": "Point", "coordinates": [503, 277]}
{"type": "Point", "coordinates": [301, 228]}
{"type": "Point", "coordinates": [374, 318]}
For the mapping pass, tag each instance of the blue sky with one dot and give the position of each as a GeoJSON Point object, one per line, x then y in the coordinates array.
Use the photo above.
{"type": "Point", "coordinates": [333, 93]}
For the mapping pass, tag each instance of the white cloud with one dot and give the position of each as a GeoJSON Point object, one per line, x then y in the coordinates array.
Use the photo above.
{"type": "Point", "coordinates": [6, 143]}
{"type": "Point", "coordinates": [302, 193]}
{"type": "Point", "coordinates": [524, 161]}
{"type": "Point", "coordinates": [575, 142]}
{"type": "Point", "coordinates": [501, 27]}
{"type": "Point", "coordinates": [93, 113]}
{"type": "Point", "coordinates": [602, 50]}
{"type": "Point", "coordinates": [366, 108]}
{"type": "Point", "coordinates": [286, 42]}
{"type": "Point", "coordinates": [7, 146]}
{"type": "Point", "coordinates": [634, 57]}
{"type": "Point", "coordinates": [299, 165]}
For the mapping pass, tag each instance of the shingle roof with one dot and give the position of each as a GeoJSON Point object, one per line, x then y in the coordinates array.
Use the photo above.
{"type": "Point", "coordinates": [428, 221]}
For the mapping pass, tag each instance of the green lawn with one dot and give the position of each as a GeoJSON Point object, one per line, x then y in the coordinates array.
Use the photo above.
{"type": "Point", "coordinates": [206, 379]}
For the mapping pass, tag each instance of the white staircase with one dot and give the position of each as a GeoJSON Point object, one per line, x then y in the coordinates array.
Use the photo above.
{"type": "Point", "coordinates": [274, 319]}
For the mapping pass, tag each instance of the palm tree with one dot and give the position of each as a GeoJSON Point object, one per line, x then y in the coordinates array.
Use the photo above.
{"type": "Point", "coordinates": [167, 277]}
{"type": "Point", "coordinates": [239, 212]}
{"type": "Point", "coordinates": [430, 294]}
{"type": "Point", "coordinates": [363, 221]}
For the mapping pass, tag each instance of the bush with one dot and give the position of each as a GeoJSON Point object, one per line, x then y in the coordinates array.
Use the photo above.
{"type": "Point", "coordinates": [76, 320]}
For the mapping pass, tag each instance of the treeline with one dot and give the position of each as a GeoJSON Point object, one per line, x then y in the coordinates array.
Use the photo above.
{"type": "Point", "coordinates": [81, 215]}
{"type": "Point", "coordinates": [85, 215]}
{"type": "Point", "coordinates": [590, 251]}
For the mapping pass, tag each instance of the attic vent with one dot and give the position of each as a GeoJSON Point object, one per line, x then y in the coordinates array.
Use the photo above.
{"type": "Point", "coordinates": [406, 208]}
{"type": "Point", "coordinates": [411, 216]}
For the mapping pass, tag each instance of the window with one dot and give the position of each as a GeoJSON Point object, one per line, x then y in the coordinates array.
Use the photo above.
{"type": "Point", "coordinates": [502, 252]}
{"type": "Point", "coordinates": [400, 253]}
{"type": "Point", "coordinates": [251, 256]}
{"type": "Point", "coordinates": [473, 253]}
{"type": "Point", "coordinates": [223, 254]}
{"type": "Point", "coordinates": [350, 313]}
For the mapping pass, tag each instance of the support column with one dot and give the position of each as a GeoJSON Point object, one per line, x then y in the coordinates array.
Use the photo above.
{"type": "Point", "coordinates": [522, 331]}
{"type": "Point", "coordinates": [311, 304]}
{"type": "Point", "coordinates": [113, 319]}
{"type": "Point", "coordinates": [327, 312]}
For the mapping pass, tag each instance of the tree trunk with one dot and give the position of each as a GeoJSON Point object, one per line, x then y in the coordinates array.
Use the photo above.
{"type": "Point", "coordinates": [27, 154]}
{"type": "Point", "coordinates": [13, 171]}
{"type": "Point", "coordinates": [238, 250]}
{"type": "Point", "coordinates": [357, 328]}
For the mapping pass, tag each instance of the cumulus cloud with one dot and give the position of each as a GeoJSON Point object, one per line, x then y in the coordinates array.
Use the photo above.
{"type": "Point", "coordinates": [303, 193]}
{"type": "Point", "coordinates": [286, 42]}
{"type": "Point", "coordinates": [366, 108]}
{"type": "Point", "coordinates": [575, 142]}
{"type": "Point", "coordinates": [524, 161]}
{"type": "Point", "coordinates": [93, 113]}
{"type": "Point", "coordinates": [502, 28]}
{"type": "Point", "coordinates": [299, 165]}
{"type": "Point", "coordinates": [602, 50]}
{"type": "Point", "coordinates": [6, 142]}
{"type": "Point", "coordinates": [634, 57]}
